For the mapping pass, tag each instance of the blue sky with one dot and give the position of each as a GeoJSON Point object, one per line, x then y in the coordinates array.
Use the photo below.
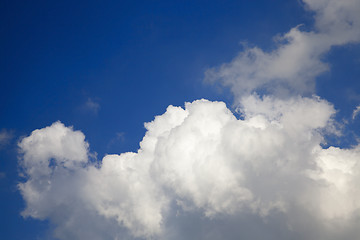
{"type": "Point", "coordinates": [107, 68]}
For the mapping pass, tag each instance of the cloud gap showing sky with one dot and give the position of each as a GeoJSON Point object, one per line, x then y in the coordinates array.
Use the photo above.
{"type": "Point", "coordinates": [264, 176]}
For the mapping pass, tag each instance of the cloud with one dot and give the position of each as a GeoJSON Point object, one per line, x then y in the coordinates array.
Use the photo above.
{"type": "Point", "coordinates": [293, 66]}
{"type": "Point", "coordinates": [119, 137]}
{"type": "Point", "coordinates": [5, 137]}
{"type": "Point", "coordinates": [356, 112]}
{"type": "Point", "coordinates": [202, 173]}
{"type": "Point", "coordinates": [199, 160]}
{"type": "Point", "coordinates": [91, 106]}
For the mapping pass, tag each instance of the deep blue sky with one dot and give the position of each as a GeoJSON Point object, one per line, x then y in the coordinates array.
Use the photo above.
{"type": "Point", "coordinates": [133, 58]}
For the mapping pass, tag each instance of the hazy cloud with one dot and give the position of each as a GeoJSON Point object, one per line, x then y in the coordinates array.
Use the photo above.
{"type": "Point", "coordinates": [5, 137]}
{"type": "Point", "coordinates": [91, 106]}
{"type": "Point", "coordinates": [119, 137]}
{"type": "Point", "coordinates": [356, 112]}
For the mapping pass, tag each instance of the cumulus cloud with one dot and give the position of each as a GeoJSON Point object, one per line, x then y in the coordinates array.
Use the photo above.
{"type": "Point", "coordinates": [298, 59]}
{"type": "Point", "coordinates": [201, 172]}
{"type": "Point", "coordinates": [202, 160]}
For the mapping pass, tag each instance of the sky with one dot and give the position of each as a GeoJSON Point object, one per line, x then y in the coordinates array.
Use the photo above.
{"type": "Point", "coordinates": [180, 120]}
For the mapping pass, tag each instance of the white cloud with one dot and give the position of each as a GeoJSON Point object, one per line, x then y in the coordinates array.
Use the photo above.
{"type": "Point", "coordinates": [298, 59]}
{"type": "Point", "coordinates": [198, 159]}
{"type": "Point", "coordinates": [356, 112]}
{"type": "Point", "coordinates": [339, 20]}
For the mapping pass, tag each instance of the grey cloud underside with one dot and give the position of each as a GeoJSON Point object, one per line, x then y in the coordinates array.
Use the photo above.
{"type": "Point", "coordinates": [202, 173]}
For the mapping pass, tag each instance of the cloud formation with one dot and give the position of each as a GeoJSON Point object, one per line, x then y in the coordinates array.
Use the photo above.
{"type": "Point", "coordinates": [299, 57]}
{"type": "Point", "coordinates": [201, 172]}
{"type": "Point", "coordinates": [202, 160]}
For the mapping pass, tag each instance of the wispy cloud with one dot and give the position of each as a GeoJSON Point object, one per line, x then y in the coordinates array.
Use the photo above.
{"type": "Point", "coordinates": [119, 137]}
{"type": "Point", "coordinates": [5, 137]}
{"type": "Point", "coordinates": [356, 112]}
{"type": "Point", "coordinates": [91, 106]}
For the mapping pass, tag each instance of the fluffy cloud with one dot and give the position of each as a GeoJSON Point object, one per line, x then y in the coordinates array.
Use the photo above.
{"type": "Point", "coordinates": [201, 172]}
{"type": "Point", "coordinates": [200, 159]}
{"type": "Point", "coordinates": [298, 59]}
